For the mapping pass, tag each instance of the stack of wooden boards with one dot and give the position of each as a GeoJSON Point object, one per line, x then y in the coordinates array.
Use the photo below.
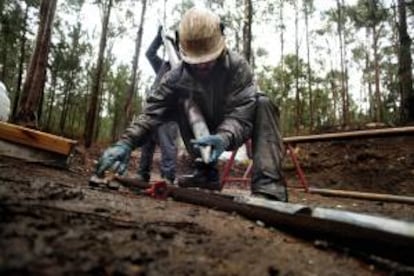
{"type": "Point", "coordinates": [34, 146]}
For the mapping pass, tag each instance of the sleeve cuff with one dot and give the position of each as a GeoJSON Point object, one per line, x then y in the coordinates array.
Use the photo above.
{"type": "Point", "coordinates": [226, 137]}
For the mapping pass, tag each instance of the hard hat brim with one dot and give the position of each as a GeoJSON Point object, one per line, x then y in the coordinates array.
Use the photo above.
{"type": "Point", "coordinates": [193, 58]}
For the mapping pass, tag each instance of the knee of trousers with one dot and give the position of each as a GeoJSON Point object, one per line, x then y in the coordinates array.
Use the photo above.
{"type": "Point", "coordinates": [264, 102]}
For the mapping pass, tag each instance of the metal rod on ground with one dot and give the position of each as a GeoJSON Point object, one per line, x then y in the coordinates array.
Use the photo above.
{"type": "Point", "coordinates": [199, 127]}
{"type": "Point", "coordinates": [362, 195]}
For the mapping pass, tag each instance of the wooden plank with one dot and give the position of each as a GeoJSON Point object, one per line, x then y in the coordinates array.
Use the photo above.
{"type": "Point", "coordinates": [35, 155]}
{"type": "Point", "coordinates": [373, 133]}
{"type": "Point", "coordinates": [36, 139]}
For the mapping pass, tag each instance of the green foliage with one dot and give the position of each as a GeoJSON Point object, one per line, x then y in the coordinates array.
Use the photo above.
{"type": "Point", "coordinates": [12, 21]}
{"type": "Point", "coordinates": [178, 11]}
{"type": "Point", "coordinates": [308, 6]}
{"type": "Point", "coordinates": [279, 84]}
{"type": "Point", "coordinates": [368, 13]}
{"type": "Point", "coordinates": [65, 96]}
{"type": "Point", "coordinates": [117, 83]}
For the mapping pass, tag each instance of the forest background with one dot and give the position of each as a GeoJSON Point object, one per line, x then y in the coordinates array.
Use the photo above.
{"type": "Point", "coordinates": [77, 68]}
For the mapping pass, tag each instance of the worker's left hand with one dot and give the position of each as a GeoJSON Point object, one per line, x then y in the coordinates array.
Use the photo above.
{"type": "Point", "coordinates": [215, 141]}
{"type": "Point", "coordinates": [114, 158]}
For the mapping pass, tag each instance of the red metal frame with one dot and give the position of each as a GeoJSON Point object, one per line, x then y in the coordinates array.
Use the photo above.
{"type": "Point", "coordinates": [225, 178]}
{"type": "Point", "coordinates": [245, 179]}
{"type": "Point", "coordinates": [299, 172]}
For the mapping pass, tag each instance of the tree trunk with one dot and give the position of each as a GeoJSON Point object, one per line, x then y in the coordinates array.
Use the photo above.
{"type": "Point", "coordinates": [341, 51]}
{"type": "Point", "coordinates": [51, 100]}
{"type": "Point", "coordinates": [405, 70]}
{"type": "Point", "coordinates": [93, 105]}
{"type": "Point", "coordinates": [21, 63]}
{"type": "Point", "coordinates": [311, 112]}
{"type": "Point", "coordinates": [115, 126]}
{"type": "Point", "coordinates": [36, 75]}
{"type": "Point", "coordinates": [72, 120]}
{"type": "Point", "coordinates": [65, 109]}
{"type": "Point", "coordinates": [4, 50]}
{"type": "Point", "coordinates": [335, 96]}
{"type": "Point", "coordinates": [247, 30]}
{"type": "Point", "coordinates": [298, 114]}
{"type": "Point", "coordinates": [100, 99]}
{"type": "Point", "coordinates": [282, 39]}
{"type": "Point", "coordinates": [367, 75]}
{"type": "Point", "coordinates": [128, 109]}
{"type": "Point", "coordinates": [378, 101]}
{"type": "Point", "coordinates": [237, 41]}
{"type": "Point", "coordinates": [396, 49]}
{"type": "Point", "coordinates": [331, 78]}
{"type": "Point", "coordinates": [346, 73]}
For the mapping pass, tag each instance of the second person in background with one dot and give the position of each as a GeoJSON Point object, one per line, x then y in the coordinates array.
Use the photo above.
{"type": "Point", "coordinates": [166, 134]}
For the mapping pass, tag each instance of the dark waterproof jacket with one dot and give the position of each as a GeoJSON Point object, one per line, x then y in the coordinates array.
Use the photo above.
{"type": "Point", "coordinates": [227, 100]}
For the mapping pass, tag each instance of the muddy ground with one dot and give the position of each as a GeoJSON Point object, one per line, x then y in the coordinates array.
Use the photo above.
{"type": "Point", "coordinates": [53, 223]}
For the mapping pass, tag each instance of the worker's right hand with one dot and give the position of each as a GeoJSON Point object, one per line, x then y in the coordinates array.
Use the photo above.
{"type": "Point", "coordinates": [114, 158]}
{"type": "Point", "coordinates": [215, 141]}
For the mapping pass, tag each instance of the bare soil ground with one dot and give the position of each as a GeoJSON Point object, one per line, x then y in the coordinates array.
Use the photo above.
{"type": "Point", "coordinates": [53, 223]}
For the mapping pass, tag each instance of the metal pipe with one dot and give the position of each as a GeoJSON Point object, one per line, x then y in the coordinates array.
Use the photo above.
{"type": "Point", "coordinates": [199, 127]}
{"type": "Point", "coordinates": [390, 238]}
{"type": "Point", "coordinates": [363, 195]}
{"type": "Point", "coordinates": [173, 57]}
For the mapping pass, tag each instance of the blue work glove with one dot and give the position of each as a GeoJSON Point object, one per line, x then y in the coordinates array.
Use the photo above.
{"type": "Point", "coordinates": [115, 158]}
{"type": "Point", "coordinates": [215, 141]}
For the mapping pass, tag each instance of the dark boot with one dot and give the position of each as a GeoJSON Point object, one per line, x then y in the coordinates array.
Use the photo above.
{"type": "Point", "coordinates": [168, 178]}
{"type": "Point", "coordinates": [271, 189]}
{"type": "Point", "coordinates": [143, 176]}
{"type": "Point", "coordinates": [205, 176]}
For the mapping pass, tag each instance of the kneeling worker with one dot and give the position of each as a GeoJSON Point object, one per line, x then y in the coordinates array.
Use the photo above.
{"type": "Point", "coordinates": [220, 83]}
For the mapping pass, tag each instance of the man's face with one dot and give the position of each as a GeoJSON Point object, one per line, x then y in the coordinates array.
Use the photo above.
{"type": "Point", "coordinates": [202, 70]}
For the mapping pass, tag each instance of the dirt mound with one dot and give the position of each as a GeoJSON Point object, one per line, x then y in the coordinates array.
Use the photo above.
{"type": "Point", "coordinates": [381, 165]}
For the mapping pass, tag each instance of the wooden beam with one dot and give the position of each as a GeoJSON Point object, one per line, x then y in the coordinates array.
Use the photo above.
{"type": "Point", "coordinates": [373, 133]}
{"type": "Point", "coordinates": [36, 139]}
